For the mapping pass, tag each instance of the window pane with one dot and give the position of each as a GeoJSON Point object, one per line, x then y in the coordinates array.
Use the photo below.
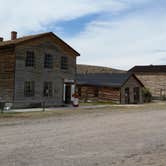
{"type": "Point", "coordinates": [47, 91]}
{"type": "Point", "coordinates": [64, 63]}
{"type": "Point", "coordinates": [30, 59]}
{"type": "Point", "coordinates": [29, 88]}
{"type": "Point", "coordinates": [48, 61]}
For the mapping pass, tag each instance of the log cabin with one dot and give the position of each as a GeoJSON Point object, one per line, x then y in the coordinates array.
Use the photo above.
{"type": "Point", "coordinates": [121, 88]}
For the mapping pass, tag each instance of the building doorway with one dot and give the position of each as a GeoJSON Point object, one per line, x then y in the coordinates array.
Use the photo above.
{"type": "Point", "coordinates": [127, 96]}
{"type": "Point", "coordinates": [68, 94]}
{"type": "Point", "coordinates": [136, 95]}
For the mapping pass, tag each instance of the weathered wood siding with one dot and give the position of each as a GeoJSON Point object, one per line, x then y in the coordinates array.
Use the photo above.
{"type": "Point", "coordinates": [7, 65]}
{"type": "Point", "coordinates": [109, 94]}
{"type": "Point", "coordinates": [131, 84]}
{"type": "Point", "coordinates": [39, 74]}
{"type": "Point", "coordinates": [155, 82]}
{"type": "Point", "coordinates": [94, 94]}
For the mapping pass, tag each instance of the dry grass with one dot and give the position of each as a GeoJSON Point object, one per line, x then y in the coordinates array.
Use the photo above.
{"type": "Point", "coordinates": [67, 112]}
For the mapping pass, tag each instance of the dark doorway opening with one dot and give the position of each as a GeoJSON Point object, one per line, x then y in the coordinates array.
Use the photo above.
{"type": "Point", "coordinates": [127, 96]}
{"type": "Point", "coordinates": [136, 95]}
{"type": "Point", "coordinates": [68, 94]}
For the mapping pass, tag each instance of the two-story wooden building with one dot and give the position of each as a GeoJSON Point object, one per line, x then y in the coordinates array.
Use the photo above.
{"type": "Point", "coordinates": [35, 69]}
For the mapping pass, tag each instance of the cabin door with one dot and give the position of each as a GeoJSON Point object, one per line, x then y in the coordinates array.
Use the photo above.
{"type": "Point", "coordinates": [127, 96]}
{"type": "Point", "coordinates": [136, 95]}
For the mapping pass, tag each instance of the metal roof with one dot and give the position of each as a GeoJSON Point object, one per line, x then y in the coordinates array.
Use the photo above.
{"type": "Point", "coordinates": [115, 80]}
{"type": "Point", "coordinates": [150, 68]}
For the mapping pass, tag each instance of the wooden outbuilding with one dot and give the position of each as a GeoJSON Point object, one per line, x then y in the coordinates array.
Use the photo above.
{"type": "Point", "coordinates": [121, 88]}
{"type": "Point", "coordinates": [154, 78]}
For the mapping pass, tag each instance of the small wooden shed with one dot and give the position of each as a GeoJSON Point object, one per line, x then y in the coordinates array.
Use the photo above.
{"type": "Point", "coordinates": [124, 88]}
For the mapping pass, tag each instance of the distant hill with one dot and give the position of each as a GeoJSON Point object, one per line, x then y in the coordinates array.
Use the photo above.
{"type": "Point", "coordinates": [83, 69]}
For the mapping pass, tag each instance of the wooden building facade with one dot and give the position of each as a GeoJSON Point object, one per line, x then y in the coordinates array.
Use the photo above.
{"type": "Point", "coordinates": [119, 88]}
{"type": "Point", "coordinates": [35, 69]}
{"type": "Point", "coordinates": [154, 78]}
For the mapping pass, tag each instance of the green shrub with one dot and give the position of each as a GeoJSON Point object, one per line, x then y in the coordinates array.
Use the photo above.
{"type": "Point", "coordinates": [163, 98]}
{"type": "Point", "coordinates": [147, 96]}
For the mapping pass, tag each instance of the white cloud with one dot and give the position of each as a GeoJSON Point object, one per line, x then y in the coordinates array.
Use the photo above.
{"type": "Point", "coordinates": [31, 15]}
{"type": "Point", "coordinates": [35, 15]}
{"type": "Point", "coordinates": [117, 39]}
{"type": "Point", "coordinates": [125, 42]}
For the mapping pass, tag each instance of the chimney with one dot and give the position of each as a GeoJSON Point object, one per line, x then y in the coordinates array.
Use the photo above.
{"type": "Point", "coordinates": [13, 35]}
{"type": "Point", "coordinates": [1, 39]}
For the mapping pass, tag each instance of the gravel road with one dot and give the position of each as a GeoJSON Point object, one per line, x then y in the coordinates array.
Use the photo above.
{"type": "Point", "coordinates": [98, 138]}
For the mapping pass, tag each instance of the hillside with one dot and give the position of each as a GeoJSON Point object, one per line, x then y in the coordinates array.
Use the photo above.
{"type": "Point", "coordinates": [96, 69]}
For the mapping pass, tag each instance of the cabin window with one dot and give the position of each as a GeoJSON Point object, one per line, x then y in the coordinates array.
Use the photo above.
{"type": "Point", "coordinates": [48, 61]}
{"type": "Point", "coordinates": [47, 91]}
{"type": "Point", "coordinates": [30, 59]}
{"type": "Point", "coordinates": [29, 88]}
{"type": "Point", "coordinates": [64, 63]}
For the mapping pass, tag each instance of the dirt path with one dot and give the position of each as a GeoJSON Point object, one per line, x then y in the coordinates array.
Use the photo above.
{"type": "Point", "coordinates": [99, 138]}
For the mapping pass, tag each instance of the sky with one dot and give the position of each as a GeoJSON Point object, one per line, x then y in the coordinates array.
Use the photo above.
{"type": "Point", "coordinates": [112, 33]}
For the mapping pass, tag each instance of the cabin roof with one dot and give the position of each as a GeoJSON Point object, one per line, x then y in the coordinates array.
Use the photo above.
{"type": "Point", "coordinates": [115, 80]}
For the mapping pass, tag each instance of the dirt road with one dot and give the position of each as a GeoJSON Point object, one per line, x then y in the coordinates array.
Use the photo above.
{"type": "Point", "coordinates": [98, 138]}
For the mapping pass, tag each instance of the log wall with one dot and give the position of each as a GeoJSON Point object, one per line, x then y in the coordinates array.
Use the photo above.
{"type": "Point", "coordinates": [7, 66]}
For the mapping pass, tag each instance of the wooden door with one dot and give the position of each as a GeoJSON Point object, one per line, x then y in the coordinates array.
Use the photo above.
{"type": "Point", "coordinates": [136, 95]}
{"type": "Point", "coordinates": [127, 96]}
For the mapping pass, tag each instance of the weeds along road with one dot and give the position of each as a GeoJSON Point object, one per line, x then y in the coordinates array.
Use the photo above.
{"type": "Point", "coordinates": [100, 137]}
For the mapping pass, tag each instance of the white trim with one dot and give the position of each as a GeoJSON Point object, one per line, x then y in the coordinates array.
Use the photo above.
{"type": "Point", "coordinates": [64, 92]}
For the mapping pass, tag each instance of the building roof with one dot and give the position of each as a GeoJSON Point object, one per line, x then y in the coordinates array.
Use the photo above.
{"type": "Point", "coordinates": [114, 80]}
{"type": "Point", "coordinates": [31, 37]}
{"type": "Point", "coordinates": [150, 68]}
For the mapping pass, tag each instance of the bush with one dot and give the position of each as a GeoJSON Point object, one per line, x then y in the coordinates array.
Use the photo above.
{"type": "Point", "coordinates": [147, 96]}
{"type": "Point", "coordinates": [163, 98]}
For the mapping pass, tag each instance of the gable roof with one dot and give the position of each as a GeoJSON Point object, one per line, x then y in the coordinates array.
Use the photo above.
{"type": "Point", "coordinates": [114, 80]}
{"type": "Point", "coordinates": [150, 68]}
{"type": "Point", "coordinates": [31, 37]}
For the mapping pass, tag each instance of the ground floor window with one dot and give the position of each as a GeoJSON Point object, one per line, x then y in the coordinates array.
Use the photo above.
{"type": "Point", "coordinates": [47, 91]}
{"type": "Point", "coordinates": [29, 88]}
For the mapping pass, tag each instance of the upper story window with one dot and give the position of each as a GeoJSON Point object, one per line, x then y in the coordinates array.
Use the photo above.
{"type": "Point", "coordinates": [30, 59]}
{"type": "Point", "coordinates": [48, 61]}
{"type": "Point", "coordinates": [47, 91]}
{"type": "Point", "coordinates": [29, 88]}
{"type": "Point", "coordinates": [64, 63]}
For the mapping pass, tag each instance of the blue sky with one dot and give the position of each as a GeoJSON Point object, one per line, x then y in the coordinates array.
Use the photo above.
{"type": "Point", "coordinates": [113, 33]}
